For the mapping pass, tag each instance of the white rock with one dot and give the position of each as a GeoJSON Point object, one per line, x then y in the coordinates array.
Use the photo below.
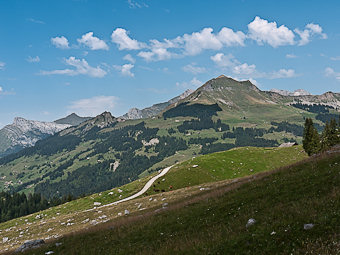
{"type": "Point", "coordinates": [97, 203]}
{"type": "Point", "coordinates": [250, 222]}
{"type": "Point", "coordinates": [195, 166]}
{"type": "Point", "coordinates": [308, 226]}
{"type": "Point", "coordinates": [110, 193]}
{"type": "Point", "coordinates": [120, 214]}
{"type": "Point", "coordinates": [126, 212]}
{"type": "Point", "coordinates": [49, 252]}
{"type": "Point", "coordinates": [120, 191]}
{"type": "Point", "coordinates": [4, 239]}
{"type": "Point", "coordinates": [85, 221]}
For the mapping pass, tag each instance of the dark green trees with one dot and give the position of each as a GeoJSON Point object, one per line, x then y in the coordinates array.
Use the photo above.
{"type": "Point", "coordinates": [313, 143]}
{"type": "Point", "coordinates": [311, 139]}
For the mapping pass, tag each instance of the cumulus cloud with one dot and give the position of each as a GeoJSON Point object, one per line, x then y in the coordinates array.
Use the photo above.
{"type": "Point", "coordinates": [263, 31]}
{"type": "Point", "coordinates": [81, 67]}
{"type": "Point", "coordinates": [310, 30]}
{"type": "Point", "coordinates": [120, 36]}
{"type": "Point", "coordinates": [2, 65]}
{"type": "Point", "coordinates": [329, 72]}
{"type": "Point", "coordinates": [194, 69]}
{"type": "Point", "coordinates": [94, 43]}
{"type": "Point", "coordinates": [193, 84]}
{"type": "Point", "coordinates": [125, 70]}
{"type": "Point", "coordinates": [93, 106]}
{"type": "Point", "coordinates": [282, 73]}
{"type": "Point", "coordinates": [248, 71]}
{"type": "Point", "coordinates": [33, 59]}
{"type": "Point", "coordinates": [60, 42]}
{"type": "Point", "coordinates": [129, 58]}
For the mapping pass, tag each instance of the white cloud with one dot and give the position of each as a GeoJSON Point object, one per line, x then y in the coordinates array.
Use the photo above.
{"type": "Point", "coordinates": [129, 58]}
{"type": "Point", "coordinates": [335, 58]}
{"type": "Point", "coordinates": [33, 59]}
{"type": "Point", "coordinates": [291, 56]}
{"type": "Point", "coordinates": [310, 30]}
{"type": "Point", "coordinates": [60, 42]}
{"type": "Point", "coordinates": [244, 69]}
{"type": "Point", "coordinates": [36, 21]}
{"type": "Point", "coordinates": [224, 60]}
{"type": "Point", "coordinates": [2, 65]}
{"type": "Point", "coordinates": [193, 84]}
{"type": "Point", "coordinates": [1, 90]}
{"type": "Point", "coordinates": [94, 43]}
{"type": "Point", "coordinates": [329, 72]}
{"type": "Point", "coordinates": [282, 73]}
{"type": "Point", "coordinates": [6, 93]}
{"type": "Point", "coordinates": [94, 105]}
{"type": "Point", "coordinates": [134, 4]}
{"type": "Point", "coordinates": [120, 37]}
{"type": "Point", "coordinates": [263, 31]}
{"type": "Point", "coordinates": [125, 69]}
{"type": "Point", "coordinates": [194, 69]}
{"type": "Point", "coordinates": [81, 67]}
{"type": "Point", "coordinates": [247, 71]}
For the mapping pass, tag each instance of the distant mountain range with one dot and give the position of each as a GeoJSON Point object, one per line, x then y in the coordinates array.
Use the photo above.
{"type": "Point", "coordinates": [298, 92]}
{"type": "Point", "coordinates": [135, 113]}
{"type": "Point", "coordinates": [221, 114]}
{"type": "Point", "coordinates": [24, 133]}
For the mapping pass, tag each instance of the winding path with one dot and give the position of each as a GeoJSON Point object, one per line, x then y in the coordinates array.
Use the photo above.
{"type": "Point", "coordinates": [143, 190]}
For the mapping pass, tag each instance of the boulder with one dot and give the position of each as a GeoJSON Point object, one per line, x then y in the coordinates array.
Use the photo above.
{"type": "Point", "coordinates": [30, 244]}
{"type": "Point", "coordinates": [308, 226]}
{"type": "Point", "coordinates": [250, 222]}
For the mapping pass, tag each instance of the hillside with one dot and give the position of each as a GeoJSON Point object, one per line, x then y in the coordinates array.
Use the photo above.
{"type": "Point", "coordinates": [84, 208]}
{"type": "Point", "coordinates": [295, 210]}
{"type": "Point", "coordinates": [106, 152]}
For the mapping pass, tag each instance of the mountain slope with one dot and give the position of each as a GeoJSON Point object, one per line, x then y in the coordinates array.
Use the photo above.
{"type": "Point", "coordinates": [135, 113]}
{"type": "Point", "coordinates": [24, 133]}
{"type": "Point", "coordinates": [295, 211]}
{"type": "Point", "coordinates": [106, 152]}
{"type": "Point", "coordinates": [72, 119]}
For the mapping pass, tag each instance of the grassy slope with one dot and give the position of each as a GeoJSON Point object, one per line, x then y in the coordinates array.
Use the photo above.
{"type": "Point", "coordinates": [229, 164]}
{"type": "Point", "coordinates": [53, 217]}
{"type": "Point", "coordinates": [281, 203]}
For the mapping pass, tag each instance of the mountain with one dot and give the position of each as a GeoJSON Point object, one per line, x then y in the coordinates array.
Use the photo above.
{"type": "Point", "coordinates": [72, 119]}
{"type": "Point", "coordinates": [298, 92]}
{"type": "Point", "coordinates": [105, 152]}
{"type": "Point", "coordinates": [24, 133]}
{"type": "Point", "coordinates": [135, 113]}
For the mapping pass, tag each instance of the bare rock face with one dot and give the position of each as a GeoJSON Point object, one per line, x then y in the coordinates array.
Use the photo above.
{"type": "Point", "coordinates": [24, 133]}
{"type": "Point", "coordinates": [298, 92]}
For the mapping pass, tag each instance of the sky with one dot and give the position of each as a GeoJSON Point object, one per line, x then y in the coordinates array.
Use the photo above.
{"type": "Point", "coordinates": [88, 56]}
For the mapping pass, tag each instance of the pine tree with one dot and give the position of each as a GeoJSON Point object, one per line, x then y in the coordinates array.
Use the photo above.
{"type": "Point", "coordinates": [311, 138]}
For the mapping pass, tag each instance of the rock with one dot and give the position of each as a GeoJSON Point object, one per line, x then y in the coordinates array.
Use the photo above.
{"type": "Point", "coordinates": [126, 212]}
{"type": "Point", "coordinates": [58, 244]}
{"type": "Point", "coordinates": [4, 239]}
{"type": "Point", "coordinates": [49, 252]}
{"type": "Point", "coordinates": [94, 222]}
{"type": "Point", "coordinates": [110, 193]}
{"type": "Point", "coordinates": [272, 233]}
{"type": "Point", "coordinates": [120, 191]}
{"type": "Point", "coordinates": [85, 221]}
{"type": "Point", "coordinates": [120, 214]}
{"type": "Point", "coordinates": [250, 222]}
{"type": "Point", "coordinates": [195, 166]}
{"type": "Point", "coordinates": [308, 226]}
{"type": "Point", "coordinates": [97, 203]}
{"type": "Point", "coordinates": [30, 244]}
{"type": "Point", "coordinates": [165, 204]}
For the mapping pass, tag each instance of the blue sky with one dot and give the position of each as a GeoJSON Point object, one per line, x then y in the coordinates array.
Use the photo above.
{"type": "Point", "coordinates": [58, 57]}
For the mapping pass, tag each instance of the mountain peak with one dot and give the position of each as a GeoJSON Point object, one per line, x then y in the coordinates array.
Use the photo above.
{"type": "Point", "coordinates": [221, 76]}
{"type": "Point", "coordinates": [73, 119]}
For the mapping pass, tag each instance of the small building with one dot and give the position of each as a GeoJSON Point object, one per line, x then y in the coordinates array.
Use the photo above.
{"type": "Point", "coordinates": [285, 145]}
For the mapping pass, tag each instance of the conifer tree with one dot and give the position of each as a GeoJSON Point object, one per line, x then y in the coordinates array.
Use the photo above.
{"type": "Point", "coordinates": [311, 138]}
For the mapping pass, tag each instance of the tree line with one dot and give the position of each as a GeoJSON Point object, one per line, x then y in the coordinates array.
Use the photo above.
{"type": "Point", "coordinates": [314, 143]}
